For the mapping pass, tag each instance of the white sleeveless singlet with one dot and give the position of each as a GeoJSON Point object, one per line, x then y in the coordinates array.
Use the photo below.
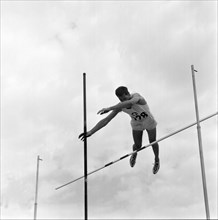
{"type": "Point", "coordinates": [141, 117]}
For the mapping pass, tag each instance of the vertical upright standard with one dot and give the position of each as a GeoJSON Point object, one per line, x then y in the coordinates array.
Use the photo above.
{"type": "Point", "coordinates": [36, 192]}
{"type": "Point", "coordinates": [85, 150]}
{"type": "Point", "coordinates": [200, 145]}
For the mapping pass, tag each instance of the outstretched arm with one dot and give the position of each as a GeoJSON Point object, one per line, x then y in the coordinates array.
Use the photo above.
{"type": "Point", "coordinates": [100, 124]}
{"type": "Point", "coordinates": [125, 104]}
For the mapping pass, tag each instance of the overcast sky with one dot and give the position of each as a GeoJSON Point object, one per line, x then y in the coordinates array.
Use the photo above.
{"type": "Point", "coordinates": [148, 46]}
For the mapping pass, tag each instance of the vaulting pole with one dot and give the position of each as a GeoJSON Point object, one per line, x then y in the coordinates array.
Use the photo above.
{"type": "Point", "coordinates": [36, 192]}
{"type": "Point", "coordinates": [85, 150]}
{"type": "Point", "coordinates": [142, 148]}
{"type": "Point", "coordinates": [200, 145]}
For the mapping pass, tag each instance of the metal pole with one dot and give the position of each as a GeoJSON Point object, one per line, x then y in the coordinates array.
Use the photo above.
{"type": "Point", "coordinates": [36, 192]}
{"type": "Point", "coordinates": [85, 150]}
{"type": "Point", "coordinates": [200, 145]}
{"type": "Point", "coordinates": [142, 148]}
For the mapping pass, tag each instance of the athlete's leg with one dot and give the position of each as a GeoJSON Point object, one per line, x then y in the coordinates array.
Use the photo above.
{"type": "Point", "coordinates": [155, 147]}
{"type": "Point", "coordinates": [137, 137]}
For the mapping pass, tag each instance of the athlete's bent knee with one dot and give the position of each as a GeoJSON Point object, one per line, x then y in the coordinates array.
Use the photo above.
{"type": "Point", "coordinates": [136, 146]}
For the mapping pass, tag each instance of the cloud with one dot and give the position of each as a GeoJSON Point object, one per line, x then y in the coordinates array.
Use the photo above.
{"type": "Point", "coordinates": [147, 46]}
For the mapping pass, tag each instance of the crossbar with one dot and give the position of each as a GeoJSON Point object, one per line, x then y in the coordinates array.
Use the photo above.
{"type": "Point", "coordinates": [142, 148]}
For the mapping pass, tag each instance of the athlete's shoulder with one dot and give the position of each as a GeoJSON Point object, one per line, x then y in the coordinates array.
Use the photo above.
{"type": "Point", "coordinates": [135, 94]}
{"type": "Point", "coordinates": [141, 99]}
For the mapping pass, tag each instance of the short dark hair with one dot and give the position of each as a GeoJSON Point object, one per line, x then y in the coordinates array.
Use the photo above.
{"type": "Point", "coordinates": [121, 90]}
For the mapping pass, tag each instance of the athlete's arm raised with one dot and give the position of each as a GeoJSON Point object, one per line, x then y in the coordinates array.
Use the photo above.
{"type": "Point", "coordinates": [136, 98]}
{"type": "Point", "coordinates": [100, 124]}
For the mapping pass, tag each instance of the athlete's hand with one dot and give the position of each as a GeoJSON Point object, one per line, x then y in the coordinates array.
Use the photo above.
{"type": "Point", "coordinates": [103, 111]}
{"type": "Point", "coordinates": [82, 136]}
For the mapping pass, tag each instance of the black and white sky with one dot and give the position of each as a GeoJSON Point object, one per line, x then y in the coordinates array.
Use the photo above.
{"type": "Point", "coordinates": [148, 46]}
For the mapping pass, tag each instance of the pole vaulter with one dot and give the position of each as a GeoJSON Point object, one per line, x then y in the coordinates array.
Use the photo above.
{"type": "Point", "coordinates": [142, 148]}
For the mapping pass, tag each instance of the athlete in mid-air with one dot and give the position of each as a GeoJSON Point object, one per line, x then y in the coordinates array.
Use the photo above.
{"type": "Point", "coordinates": [141, 119]}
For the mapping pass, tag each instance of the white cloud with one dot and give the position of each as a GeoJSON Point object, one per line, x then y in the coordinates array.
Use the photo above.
{"type": "Point", "coordinates": [147, 46]}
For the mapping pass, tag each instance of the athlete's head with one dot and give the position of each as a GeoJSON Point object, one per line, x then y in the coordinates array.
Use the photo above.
{"type": "Point", "coordinates": [122, 93]}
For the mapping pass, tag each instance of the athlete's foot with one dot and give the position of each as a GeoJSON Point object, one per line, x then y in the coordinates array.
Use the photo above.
{"type": "Point", "coordinates": [156, 166]}
{"type": "Point", "coordinates": [132, 160]}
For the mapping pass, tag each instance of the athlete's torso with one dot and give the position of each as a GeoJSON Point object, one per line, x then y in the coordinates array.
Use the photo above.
{"type": "Point", "coordinates": [139, 111]}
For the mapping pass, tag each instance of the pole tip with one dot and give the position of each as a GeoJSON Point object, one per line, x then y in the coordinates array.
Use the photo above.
{"type": "Point", "coordinates": [192, 66]}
